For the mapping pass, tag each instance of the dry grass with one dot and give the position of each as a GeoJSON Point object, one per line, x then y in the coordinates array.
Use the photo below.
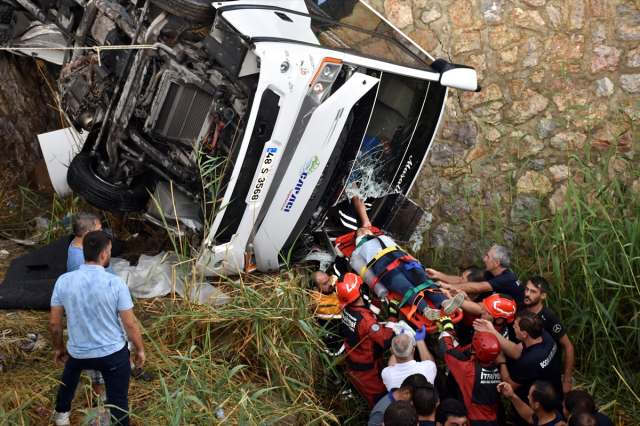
{"type": "Point", "coordinates": [255, 358]}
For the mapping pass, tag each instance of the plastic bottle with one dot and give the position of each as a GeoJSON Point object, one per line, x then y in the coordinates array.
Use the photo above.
{"type": "Point", "coordinates": [219, 413]}
{"type": "Point", "coordinates": [101, 418]}
{"type": "Point", "coordinates": [357, 262]}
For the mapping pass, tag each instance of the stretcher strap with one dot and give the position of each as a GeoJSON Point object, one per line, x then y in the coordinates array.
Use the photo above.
{"type": "Point", "coordinates": [419, 298]}
{"type": "Point", "coordinates": [391, 266]}
{"type": "Point", "coordinates": [414, 290]}
{"type": "Point", "coordinates": [377, 257]}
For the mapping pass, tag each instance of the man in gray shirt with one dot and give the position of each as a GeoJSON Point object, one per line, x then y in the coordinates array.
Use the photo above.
{"type": "Point", "coordinates": [403, 393]}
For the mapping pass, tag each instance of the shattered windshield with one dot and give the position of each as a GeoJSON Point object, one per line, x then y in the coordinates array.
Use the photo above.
{"type": "Point", "coordinates": [350, 25]}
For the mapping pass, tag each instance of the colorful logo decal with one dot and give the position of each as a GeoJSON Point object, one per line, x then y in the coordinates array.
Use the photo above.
{"type": "Point", "coordinates": [375, 328]}
{"type": "Point", "coordinates": [308, 167]}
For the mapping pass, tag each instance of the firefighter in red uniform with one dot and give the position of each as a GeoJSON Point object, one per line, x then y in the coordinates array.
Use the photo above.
{"type": "Point", "coordinates": [364, 338]}
{"type": "Point", "coordinates": [473, 368]}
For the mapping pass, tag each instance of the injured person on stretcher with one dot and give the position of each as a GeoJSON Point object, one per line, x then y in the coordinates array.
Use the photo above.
{"type": "Point", "coordinates": [379, 260]}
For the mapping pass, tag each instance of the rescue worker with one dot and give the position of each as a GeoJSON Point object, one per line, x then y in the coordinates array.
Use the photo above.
{"type": "Point", "coordinates": [472, 367]}
{"type": "Point", "coordinates": [400, 273]}
{"type": "Point", "coordinates": [499, 309]}
{"type": "Point", "coordinates": [327, 311]}
{"type": "Point", "coordinates": [364, 338]}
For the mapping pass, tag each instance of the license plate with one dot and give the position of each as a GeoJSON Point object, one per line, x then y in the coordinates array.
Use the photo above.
{"type": "Point", "coordinates": [265, 168]}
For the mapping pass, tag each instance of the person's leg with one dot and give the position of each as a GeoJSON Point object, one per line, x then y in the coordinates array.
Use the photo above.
{"type": "Point", "coordinates": [369, 383]}
{"type": "Point", "coordinates": [417, 275]}
{"type": "Point", "coordinates": [70, 378]}
{"type": "Point", "coordinates": [97, 382]}
{"type": "Point", "coordinates": [396, 281]}
{"type": "Point", "coordinates": [116, 371]}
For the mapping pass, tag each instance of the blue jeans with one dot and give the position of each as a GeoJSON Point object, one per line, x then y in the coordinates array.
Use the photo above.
{"type": "Point", "coordinates": [116, 371]}
{"type": "Point", "coordinates": [401, 280]}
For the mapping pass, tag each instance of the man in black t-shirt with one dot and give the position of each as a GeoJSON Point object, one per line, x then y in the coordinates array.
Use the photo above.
{"type": "Point", "coordinates": [500, 278]}
{"type": "Point", "coordinates": [537, 358]}
{"type": "Point", "coordinates": [534, 293]}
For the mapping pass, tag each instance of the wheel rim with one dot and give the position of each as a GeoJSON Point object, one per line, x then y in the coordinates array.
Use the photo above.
{"type": "Point", "coordinates": [93, 168]}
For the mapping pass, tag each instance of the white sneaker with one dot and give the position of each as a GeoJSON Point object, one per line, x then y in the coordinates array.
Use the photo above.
{"type": "Point", "coordinates": [62, 419]}
{"type": "Point", "coordinates": [453, 304]}
{"type": "Point", "coordinates": [431, 314]}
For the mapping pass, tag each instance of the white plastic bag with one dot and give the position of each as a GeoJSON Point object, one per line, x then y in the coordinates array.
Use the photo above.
{"type": "Point", "coordinates": [150, 278]}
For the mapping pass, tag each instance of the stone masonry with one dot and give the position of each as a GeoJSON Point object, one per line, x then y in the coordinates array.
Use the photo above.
{"type": "Point", "coordinates": [561, 81]}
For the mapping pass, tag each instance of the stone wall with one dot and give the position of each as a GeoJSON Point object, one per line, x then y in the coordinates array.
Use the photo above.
{"type": "Point", "coordinates": [27, 108]}
{"type": "Point", "coordinates": [560, 82]}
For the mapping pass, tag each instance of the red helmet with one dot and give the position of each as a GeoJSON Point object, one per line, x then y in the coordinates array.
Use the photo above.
{"type": "Point", "coordinates": [486, 345]}
{"type": "Point", "coordinates": [348, 288]}
{"type": "Point", "coordinates": [500, 306]}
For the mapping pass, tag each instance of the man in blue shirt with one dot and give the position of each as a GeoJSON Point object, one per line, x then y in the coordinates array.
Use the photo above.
{"type": "Point", "coordinates": [540, 411]}
{"type": "Point", "coordinates": [403, 393]}
{"type": "Point", "coordinates": [501, 279]}
{"type": "Point", "coordinates": [92, 299]}
{"type": "Point", "coordinates": [82, 224]}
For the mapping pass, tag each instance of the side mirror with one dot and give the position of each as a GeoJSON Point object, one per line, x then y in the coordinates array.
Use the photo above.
{"type": "Point", "coordinates": [456, 76]}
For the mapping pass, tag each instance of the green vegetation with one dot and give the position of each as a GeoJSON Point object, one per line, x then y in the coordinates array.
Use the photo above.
{"type": "Point", "coordinates": [586, 243]}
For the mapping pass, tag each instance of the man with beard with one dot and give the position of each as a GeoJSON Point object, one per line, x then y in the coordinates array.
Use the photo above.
{"type": "Point", "coordinates": [536, 357]}
{"type": "Point", "coordinates": [327, 309]}
{"type": "Point", "coordinates": [92, 298]}
{"type": "Point", "coordinates": [535, 292]}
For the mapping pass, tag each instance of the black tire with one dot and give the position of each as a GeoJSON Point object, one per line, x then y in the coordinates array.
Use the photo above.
{"type": "Point", "coordinates": [84, 183]}
{"type": "Point", "coordinates": [196, 11]}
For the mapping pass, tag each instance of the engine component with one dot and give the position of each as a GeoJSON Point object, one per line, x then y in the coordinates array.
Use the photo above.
{"type": "Point", "coordinates": [101, 72]}
{"type": "Point", "coordinates": [88, 17]}
{"type": "Point", "coordinates": [34, 10]}
{"type": "Point", "coordinates": [158, 156]}
{"type": "Point", "coordinates": [183, 112]}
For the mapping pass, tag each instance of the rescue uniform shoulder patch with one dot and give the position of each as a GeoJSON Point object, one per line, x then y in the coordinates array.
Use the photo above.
{"type": "Point", "coordinates": [375, 327]}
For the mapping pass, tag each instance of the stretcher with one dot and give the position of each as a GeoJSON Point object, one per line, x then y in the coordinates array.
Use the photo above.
{"type": "Point", "coordinates": [346, 244]}
{"type": "Point", "coordinates": [417, 319]}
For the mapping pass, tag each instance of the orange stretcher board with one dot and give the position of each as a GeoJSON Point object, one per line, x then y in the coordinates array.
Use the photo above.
{"type": "Point", "coordinates": [417, 319]}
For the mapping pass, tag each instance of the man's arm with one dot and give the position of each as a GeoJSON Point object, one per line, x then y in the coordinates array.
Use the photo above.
{"type": "Point", "coordinates": [512, 350]}
{"type": "Point", "coordinates": [439, 276]}
{"type": "Point", "coordinates": [470, 287]}
{"type": "Point", "coordinates": [569, 356]}
{"type": "Point", "coordinates": [425, 354]}
{"type": "Point", "coordinates": [472, 307]}
{"type": "Point", "coordinates": [133, 331]}
{"type": "Point", "coordinates": [55, 323]}
{"type": "Point", "coordinates": [523, 409]}
{"type": "Point", "coordinates": [361, 210]}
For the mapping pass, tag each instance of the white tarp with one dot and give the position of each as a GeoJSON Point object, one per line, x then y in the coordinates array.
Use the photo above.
{"type": "Point", "coordinates": [152, 278]}
{"type": "Point", "coordinates": [58, 149]}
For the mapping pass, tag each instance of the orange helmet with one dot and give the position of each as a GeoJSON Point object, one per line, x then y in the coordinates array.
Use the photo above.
{"type": "Point", "coordinates": [348, 288]}
{"type": "Point", "coordinates": [501, 306]}
{"type": "Point", "coordinates": [486, 345]}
